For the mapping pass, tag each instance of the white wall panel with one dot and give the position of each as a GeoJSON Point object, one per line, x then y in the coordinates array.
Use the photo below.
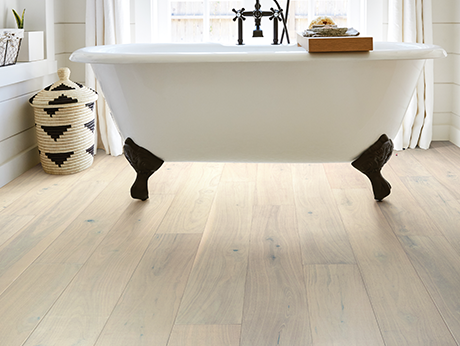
{"type": "Point", "coordinates": [446, 11]}
{"type": "Point", "coordinates": [446, 33]}
{"type": "Point", "coordinates": [18, 165]}
{"type": "Point", "coordinates": [11, 147]}
{"type": "Point", "coordinates": [16, 115]}
{"type": "Point", "coordinates": [6, 15]}
{"type": "Point", "coordinates": [444, 69]}
{"type": "Point", "coordinates": [443, 35]}
{"type": "Point", "coordinates": [69, 11]}
{"type": "Point", "coordinates": [70, 34]}
{"type": "Point", "coordinates": [69, 37]}
{"type": "Point", "coordinates": [443, 98]}
{"type": "Point", "coordinates": [26, 87]}
{"type": "Point", "coordinates": [455, 99]}
{"type": "Point", "coordinates": [442, 118]}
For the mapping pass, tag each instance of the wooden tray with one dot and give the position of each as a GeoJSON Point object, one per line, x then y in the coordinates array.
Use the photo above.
{"type": "Point", "coordinates": [335, 44]}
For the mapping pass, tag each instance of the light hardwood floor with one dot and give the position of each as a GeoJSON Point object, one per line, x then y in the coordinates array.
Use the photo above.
{"type": "Point", "coordinates": [233, 254]}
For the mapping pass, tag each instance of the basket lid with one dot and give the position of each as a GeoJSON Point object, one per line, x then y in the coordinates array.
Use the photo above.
{"type": "Point", "coordinates": [63, 93]}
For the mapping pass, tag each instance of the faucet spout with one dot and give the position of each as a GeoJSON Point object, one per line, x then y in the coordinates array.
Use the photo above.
{"type": "Point", "coordinates": [257, 14]}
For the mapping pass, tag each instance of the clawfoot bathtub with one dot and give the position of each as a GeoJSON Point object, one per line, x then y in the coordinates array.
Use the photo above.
{"type": "Point", "coordinates": [211, 102]}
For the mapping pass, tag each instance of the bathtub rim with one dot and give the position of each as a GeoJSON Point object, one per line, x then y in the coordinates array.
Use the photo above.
{"type": "Point", "coordinates": [216, 52]}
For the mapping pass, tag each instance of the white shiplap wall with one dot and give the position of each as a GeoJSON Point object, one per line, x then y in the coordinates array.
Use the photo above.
{"type": "Point", "coordinates": [446, 33]}
{"type": "Point", "coordinates": [69, 31]}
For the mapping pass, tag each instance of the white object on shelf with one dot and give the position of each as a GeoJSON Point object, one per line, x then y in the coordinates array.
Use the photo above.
{"type": "Point", "coordinates": [10, 40]}
{"type": "Point", "coordinates": [32, 47]}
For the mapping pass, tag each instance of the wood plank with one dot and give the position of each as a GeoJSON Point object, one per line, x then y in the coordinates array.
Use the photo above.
{"type": "Point", "coordinates": [200, 335]}
{"type": "Point", "coordinates": [274, 184]}
{"type": "Point", "coordinates": [30, 296]}
{"type": "Point", "coordinates": [405, 312]}
{"type": "Point", "coordinates": [11, 224]}
{"type": "Point", "coordinates": [239, 172]}
{"type": "Point", "coordinates": [441, 205]}
{"type": "Point", "coordinates": [445, 171]}
{"type": "Point", "coordinates": [447, 149]}
{"type": "Point", "coordinates": [169, 178]}
{"type": "Point", "coordinates": [343, 175]}
{"type": "Point", "coordinates": [27, 300]}
{"type": "Point", "coordinates": [443, 144]}
{"type": "Point", "coordinates": [146, 312]}
{"type": "Point", "coordinates": [106, 168]}
{"type": "Point", "coordinates": [26, 246]}
{"type": "Point", "coordinates": [82, 236]}
{"type": "Point", "coordinates": [275, 309]}
{"type": "Point", "coordinates": [403, 212]}
{"type": "Point", "coordinates": [215, 290]}
{"type": "Point", "coordinates": [404, 164]}
{"type": "Point", "coordinates": [340, 311]}
{"type": "Point", "coordinates": [44, 195]}
{"type": "Point", "coordinates": [80, 313]}
{"type": "Point", "coordinates": [51, 189]}
{"type": "Point", "coordinates": [438, 265]}
{"type": "Point", "coordinates": [323, 238]}
{"type": "Point", "coordinates": [190, 209]}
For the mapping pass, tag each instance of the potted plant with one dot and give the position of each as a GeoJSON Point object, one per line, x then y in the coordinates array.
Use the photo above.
{"type": "Point", "coordinates": [32, 44]}
{"type": "Point", "coordinates": [19, 19]}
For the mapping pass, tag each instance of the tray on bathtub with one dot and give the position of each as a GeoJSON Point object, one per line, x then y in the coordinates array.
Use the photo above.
{"type": "Point", "coordinates": [335, 44]}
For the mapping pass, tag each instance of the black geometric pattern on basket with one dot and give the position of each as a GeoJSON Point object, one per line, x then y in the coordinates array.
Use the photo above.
{"type": "Point", "coordinates": [31, 100]}
{"type": "Point", "coordinates": [90, 105]}
{"type": "Point", "coordinates": [59, 158]}
{"type": "Point", "coordinates": [62, 87]}
{"type": "Point", "coordinates": [55, 131]}
{"type": "Point", "coordinates": [51, 111]}
{"type": "Point", "coordinates": [48, 87]}
{"type": "Point", "coordinates": [90, 125]}
{"type": "Point", "coordinates": [62, 100]}
{"type": "Point", "coordinates": [90, 150]}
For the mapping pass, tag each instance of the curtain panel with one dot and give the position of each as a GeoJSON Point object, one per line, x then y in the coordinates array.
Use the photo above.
{"type": "Point", "coordinates": [107, 22]}
{"type": "Point", "coordinates": [411, 21]}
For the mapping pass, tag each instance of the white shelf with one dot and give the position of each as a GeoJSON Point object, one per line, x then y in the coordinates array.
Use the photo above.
{"type": "Point", "coordinates": [23, 71]}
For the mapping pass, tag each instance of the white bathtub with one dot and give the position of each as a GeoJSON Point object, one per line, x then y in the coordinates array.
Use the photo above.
{"type": "Point", "coordinates": [210, 102]}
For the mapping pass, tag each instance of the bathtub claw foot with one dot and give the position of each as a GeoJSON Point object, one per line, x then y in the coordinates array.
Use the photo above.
{"type": "Point", "coordinates": [145, 164]}
{"type": "Point", "coordinates": [371, 161]}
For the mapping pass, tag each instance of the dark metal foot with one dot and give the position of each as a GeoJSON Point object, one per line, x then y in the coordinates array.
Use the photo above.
{"type": "Point", "coordinates": [371, 161]}
{"type": "Point", "coordinates": [145, 164]}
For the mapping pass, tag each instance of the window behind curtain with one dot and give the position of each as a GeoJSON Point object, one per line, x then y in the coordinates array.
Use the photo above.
{"type": "Point", "coordinates": [211, 20]}
{"type": "Point", "coordinates": [205, 20]}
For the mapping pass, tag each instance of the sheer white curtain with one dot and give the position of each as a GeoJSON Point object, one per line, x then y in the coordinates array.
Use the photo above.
{"type": "Point", "coordinates": [411, 21]}
{"type": "Point", "coordinates": [107, 22]}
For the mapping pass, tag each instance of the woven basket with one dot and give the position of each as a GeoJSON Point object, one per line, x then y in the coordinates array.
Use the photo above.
{"type": "Point", "coordinates": [64, 121]}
